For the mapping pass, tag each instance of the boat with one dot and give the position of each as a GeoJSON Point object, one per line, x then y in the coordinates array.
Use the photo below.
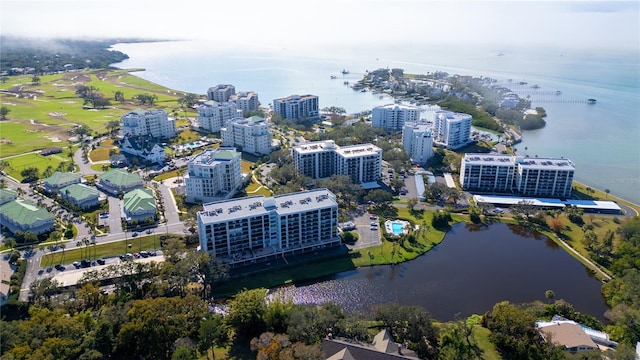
{"type": "Point", "coordinates": [558, 92]}
{"type": "Point", "coordinates": [501, 54]}
{"type": "Point", "coordinates": [333, 77]}
{"type": "Point", "coordinates": [345, 72]}
{"type": "Point", "coordinates": [536, 86]}
{"type": "Point", "coordinates": [591, 101]}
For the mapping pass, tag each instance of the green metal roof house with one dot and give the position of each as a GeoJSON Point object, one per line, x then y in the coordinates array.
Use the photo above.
{"type": "Point", "coordinates": [139, 205]}
{"type": "Point", "coordinates": [81, 195]}
{"type": "Point", "coordinates": [118, 181]}
{"type": "Point", "coordinates": [24, 215]}
{"type": "Point", "coordinates": [7, 195]}
{"type": "Point", "coordinates": [59, 180]}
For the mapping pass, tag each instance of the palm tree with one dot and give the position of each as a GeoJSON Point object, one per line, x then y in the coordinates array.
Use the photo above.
{"type": "Point", "coordinates": [607, 191]}
{"type": "Point", "coordinates": [78, 245]}
{"type": "Point", "coordinates": [549, 294]}
{"type": "Point", "coordinates": [93, 242]}
{"type": "Point", "coordinates": [63, 246]}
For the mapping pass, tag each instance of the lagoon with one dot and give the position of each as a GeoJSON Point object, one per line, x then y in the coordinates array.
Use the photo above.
{"type": "Point", "coordinates": [471, 270]}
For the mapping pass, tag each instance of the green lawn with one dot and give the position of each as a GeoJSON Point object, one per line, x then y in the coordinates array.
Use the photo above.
{"type": "Point", "coordinates": [102, 250]}
{"type": "Point", "coordinates": [168, 175]}
{"type": "Point", "coordinates": [48, 110]}
{"type": "Point", "coordinates": [17, 164]}
{"type": "Point", "coordinates": [101, 153]}
{"type": "Point", "coordinates": [481, 337]}
{"type": "Point", "coordinates": [246, 166]}
{"type": "Point", "coordinates": [98, 167]}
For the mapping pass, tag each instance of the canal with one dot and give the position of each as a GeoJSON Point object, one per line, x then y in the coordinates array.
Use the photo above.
{"type": "Point", "coordinates": [471, 270]}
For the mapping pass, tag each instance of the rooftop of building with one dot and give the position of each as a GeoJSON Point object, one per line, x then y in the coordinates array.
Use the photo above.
{"type": "Point", "coordinates": [502, 159]}
{"type": "Point", "coordinates": [139, 199]}
{"type": "Point", "coordinates": [58, 178]}
{"type": "Point", "coordinates": [221, 87]}
{"type": "Point", "coordinates": [212, 156]}
{"type": "Point", "coordinates": [545, 163]}
{"type": "Point", "coordinates": [297, 97]}
{"type": "Point", "coordinates": [397, 107]}
{"type": "Point", "coordinates": [7, 194]}
{"type": "Point", "coordinates": [316, 146]}
{"type": "Point", "coordinates": [244, 95]}
{"type": "Point", "coordinates": [451, 116]}
{"type": "Point", "coordinates": [422, 128]}
{"type": "Point", "coordinates": [144, 143]}
{"type": "Point", "coordinates": [251, 121]}
{"type": "Point", "coordinates": [549, 202]}
{"type": "Point", "coordinates": [382, 348]}
{"type": "Point", "coordinates": [256, 205]}
{"type": "Point", "coordinates": [25, 212]}
{"type": "Point", "coordinates": [119, 177]}
{"type": "Point", "coordinates": [144, 112]}
{"type": "Point", "coordinates": [213, 103]}
{"type": "Point", "coordinates": [5, 277]}
{"type": "Point", "coordinates": [80, 192]}
{"type": "Point", "coordinates": [569, 335]}
{"type": "Point", "coordinates": [358, 150]}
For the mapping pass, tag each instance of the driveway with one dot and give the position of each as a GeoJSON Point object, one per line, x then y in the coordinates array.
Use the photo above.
{"type": "Point", "coordinates": [367, 237]}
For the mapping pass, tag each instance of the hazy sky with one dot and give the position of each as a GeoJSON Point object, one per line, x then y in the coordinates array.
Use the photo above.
{"type": "Point", "coordinates": [606, 24]}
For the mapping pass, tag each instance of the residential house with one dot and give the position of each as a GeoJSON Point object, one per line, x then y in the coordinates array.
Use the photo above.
{"type": "Point", "coordinates": [116, 182]}
{"type": "Point", "coordinates": [382, 348]}
{"type": "Point", "coordinates": [24, 215]}
{"type": "Point", "coordinates": [58, 180]}
{"type": "Point", "coordinates": [145, 147]}
{"type": "Point", "coordinates": [81, 195]}
{"type": "Point", "coordinates": [139, 205]}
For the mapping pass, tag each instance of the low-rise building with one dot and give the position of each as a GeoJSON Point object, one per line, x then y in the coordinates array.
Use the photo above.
{"type": "Point", "coordinates": [383, 347]}
{"type": "Point", "coordinates": [251, 135]}
{"type": "Point", "coordinates": [81, 195]}
{"type": "Point", "coordinates": [58, 180]}
{"type": "Point", "coordinates": [213, 175]}
{"type": "Point", "coordinates": [250, 229]}
{"type": "Point", "coordinates": [296, 107]}
{"type": "Point", "coordinates": [118, 182]}
{"type": "Point", "coordinates": [24, 215]}
{"type": "Point", "coordinates": [392, 117]}
{"type": "Point", "coordinates": [7, 195]}
{"type": "Point", "coordinates": [246, 100]}
{"type": "Point", "coordinates": [417, 141]}
{"type": "Point", "coordinates": [213, 115]}
{"type": "Point", "coordinates": [145, 147]}
{"type": "Point", "coordinates": [139, 205]}
{"type": "Point", "coordinates": [568, 334]}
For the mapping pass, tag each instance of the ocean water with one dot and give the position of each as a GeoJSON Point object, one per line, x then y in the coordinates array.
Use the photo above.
{"type": "Point", "coordinates": [602, 139]}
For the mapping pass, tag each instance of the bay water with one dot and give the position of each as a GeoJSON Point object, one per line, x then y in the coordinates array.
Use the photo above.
{"type": "Point", "coordinates": [602, 139]}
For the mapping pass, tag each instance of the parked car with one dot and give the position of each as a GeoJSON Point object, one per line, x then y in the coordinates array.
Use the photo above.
{"type": "Point", "coordinates": [153, 253]}
{"type": "Point", "coordinates": [144, 254]}
{"type": "Point", "coordinates": [136, 255]}
{"type": "Point", "coordinates": [60, 267]}
{"type": "Point", "coordinates": [149, 231]}
{"type": "Point", "coordinates": [373, 227]}
{"type": "Point", "coordinates": [77, 264]}
{"type": "Point", "coordinates": [134, 234]}
{"type": "Point", "coordinates": [373, 217]}
{"type": "Point", "coordinates": [101, 261]}
{"type": "Point", "coordinates": [85, 263]}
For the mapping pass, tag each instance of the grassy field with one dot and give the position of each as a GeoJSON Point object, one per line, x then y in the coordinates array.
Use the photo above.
{"type": "Point", "coordinates": [168, 175]}
{"type": "Point", "coordinates": [17, 164]}
{"type": "Point", "coordinates": [481, 337]}
{"type": "Point", "coordinates": [382, 254]}
{"type": "Point", "coordinates": [246, 166]}
{"type": "Point", "coordinates": [42, 113]}
{"type": "Point", "coordinates": [101, 153]}
{"type": "Point", "coordinates": [102, 250]}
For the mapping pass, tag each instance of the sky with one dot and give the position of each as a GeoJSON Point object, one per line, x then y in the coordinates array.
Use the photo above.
{"type": "Point", "coordinates": [586, 24]}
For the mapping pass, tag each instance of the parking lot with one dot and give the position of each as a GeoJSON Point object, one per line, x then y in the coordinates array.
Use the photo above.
{"type": "Point", "coordinates": [367, 236]}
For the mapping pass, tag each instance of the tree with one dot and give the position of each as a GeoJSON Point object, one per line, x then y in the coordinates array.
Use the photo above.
{"type": "Point", "coordinates": [30, 174]}
{"type": "Point", "coordinates": [379, 197]}
{"type": "Point", "coordinates": [35, 80]}
{"type": "Point", "coordinates": [457, 342]}
{"type": "Point", "coordinates": [607, 191]}
{"type": "Point", "coordinates": [247, 313]}
{"type": "Point", "coordinates": [549, 294]}
{"type": "Point", "coordinates": [440, 219]}
{"type": "Point", "coordinates": [411, 324]}
{"type": "Point", "coordinates": [112, 126]}
{"type": "Point", "coordinates": [118, 96]}
{"type": "Point", "coordinates": [213, 332]}
{"type": "Point", "coordinates": [4, 111]}
{"type": "Point", "coordinates": [556, 225]}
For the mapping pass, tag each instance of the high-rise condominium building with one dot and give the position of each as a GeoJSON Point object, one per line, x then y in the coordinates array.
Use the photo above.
{"type": "Point", "coordinates": [418, 141]}
{"type": "Point", "coordinates": [221, 93]}
{"type": "Point", "coordinates": [297, 107]}
{"type": "Point", "coordinates": [213, 115]}
{"type": "Point", "coordinates": [213, 175]}
{"type": "Point", "coordinates": [250, 229]}
{"type": "Point", "coordinates": [251, 135]}
{"type": "Point", "coordinates": [363, 163]}
{"type": "Point", "coordinates": [524, 176]}
{"type": "Point", "coordinates": [392, 117]}
{"type": "Point", "coordinates": [154, 123]}
{"type": "Point", "coordinates": [452, 130]}
{"type": "Point", "coordinates": [246, 100]}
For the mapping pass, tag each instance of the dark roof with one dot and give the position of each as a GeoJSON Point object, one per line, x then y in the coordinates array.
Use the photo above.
{"type": "Point", "coordinates": [358, 351]}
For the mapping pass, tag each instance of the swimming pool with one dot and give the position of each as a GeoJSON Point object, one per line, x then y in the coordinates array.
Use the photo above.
{"type": "Point", "coordinates": [396, 228]}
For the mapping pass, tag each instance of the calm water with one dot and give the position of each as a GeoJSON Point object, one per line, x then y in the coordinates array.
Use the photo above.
{"type": "Point", "coordinates": [470, 271]}
{"type": "Point", "coordinates": [603, 139]}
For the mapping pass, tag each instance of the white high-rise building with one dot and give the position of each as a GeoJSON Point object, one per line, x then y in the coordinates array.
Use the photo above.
{"type": "Point", "coordinates": [297, 107]}
{"type": "Point", "coordinates": [363, 163]}
{"type": "Point", "coordinates": [417, 141]}
{"type": "Point", "coordinates": [221, 93]}
{"type": "Point", "coordinates": [452, 130]}
{"type": "Point", "coordinates": [213, 115]}
{"type": "Point", "coordinates": [392, 117]}
{"type": "Point", "coordinates": [243, 231]}
{"type": "Point", "coordinates": [532, 177]}
{"type": "Point", "coordinates": [246, 101]}
{"type": "Point", "coordinates": [154, 123]}
{"type": "Point", "coordinates": [213, 175]}
{"type": "Point", "coordinates": [252, 135]}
